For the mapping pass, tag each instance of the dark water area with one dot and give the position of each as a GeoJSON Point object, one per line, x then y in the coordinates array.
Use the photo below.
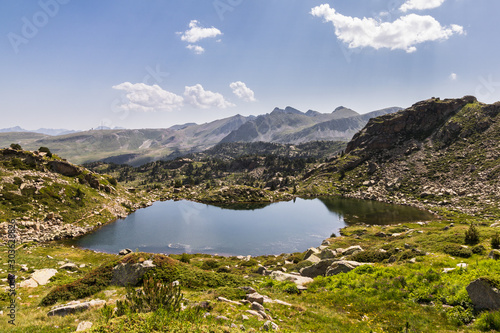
{"type": "Point", "coordinates": [242, 229]}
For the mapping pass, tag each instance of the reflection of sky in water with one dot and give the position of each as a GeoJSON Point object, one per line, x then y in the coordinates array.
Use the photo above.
{"type": "Point", "coordinates": [184, 226]}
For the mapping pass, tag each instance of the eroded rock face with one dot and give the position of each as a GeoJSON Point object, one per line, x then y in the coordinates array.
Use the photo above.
{"type": "Point", "coordinates": [484, 295]}
{"type": "Point", "coordinates": [130, 274]}
{"type": "Point", "coordinates": [65, 168]}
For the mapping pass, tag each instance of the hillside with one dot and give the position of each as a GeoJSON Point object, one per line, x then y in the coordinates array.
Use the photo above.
{"type": "Point", "coordinates": [442, 154]}
{"type": "Point", "coordinates": [290, 125]}
{"type": "Point", "coordinates": [54, 199]}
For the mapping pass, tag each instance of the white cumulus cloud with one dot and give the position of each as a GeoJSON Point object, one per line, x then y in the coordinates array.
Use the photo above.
{"type": "Point", "coordinates": [143, 97]}
{"type": "Point", "coordinates": [199, 97]}
{"type": "Point", "coordinates": [420, 5]}
{"type": "Point", "coordinates": [196, 48]}
{"type": "Point", "coordinates": [196, 33]}
{"type": "Point", "coordinates": [453, 76]}
{"type": "Point", "coordinates": [404, 33]}
{"type": "Point", "coordinates": [241, 90]}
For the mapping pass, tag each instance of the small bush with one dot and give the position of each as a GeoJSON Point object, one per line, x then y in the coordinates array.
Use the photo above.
{"type": "Point", "coordinates": [154, 295]}
{"type": "Point", "coordinates": [472, 235]}
{"type": "Point", "coordinates": [45, 150]}
{"type": "Point", "coordinates": [249, 263]}
{"type": "Point", "coordinates": [478, 249]}
{"type": "Point", "coordinates": [210, 264]}
{"type": "Point", "coordinates": [185, 258]}
{"type": "Point", "coordinates": [370, 256]}
{"type": "Point", "coordinates": [16, 146]}
{"type": "Point", "coordinates": [495, 241]}
{"type": "Point", "coordinates": [231, 293]}
{"type": "Point", "coordinates": [457, 251]}
{"type": "Point", "coordinates": [488, 321]}
{"type": "Point", "coordinates": [459, 316]}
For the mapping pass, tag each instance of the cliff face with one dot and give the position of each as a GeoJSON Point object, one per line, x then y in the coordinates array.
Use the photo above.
{"type": "Point", "coordinates": [437, 153]}
{"type": "Point", "coordinates": [415, 123]}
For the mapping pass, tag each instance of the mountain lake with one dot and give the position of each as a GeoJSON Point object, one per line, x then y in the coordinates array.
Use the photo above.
{"type": "Point", "coordinates": [241, 229]}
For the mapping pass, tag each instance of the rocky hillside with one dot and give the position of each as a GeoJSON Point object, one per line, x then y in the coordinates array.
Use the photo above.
{"type": "Point", "coordinates": [52, 199]}
{"type": "Point", "coordinates": [290, 125]}
{"type": "Point", "coordinates": [443, 154]}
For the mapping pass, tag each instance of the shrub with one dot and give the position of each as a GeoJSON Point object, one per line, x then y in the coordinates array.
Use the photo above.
{"type": "Point", "coordinates": [370, 256]}
{"type": "Point", "coordinates": [457, 250]}
{"type": "Point", "coordinates": [185, 258]}
{"type": "Point", "coordinates": [16, 146]}
{"type": "Point", "coordinates": [488, 321]}
{"type": "Point", "coordinates": [154, 295]}
{"type": "Point", "coordinates": [478, 249]}
{"type": "Point", "coordinates": [210, 264]}
{"type": "Point", "coordinates": [90, 284]}
{"type": "Point", "coordinates": [459, 316]}
{"type": "Point", "coordinates": [472, 235]}
{"type": "Point", "coordinates": [45, 150]}
{"type": "Point", "coordinates": [495, 241]}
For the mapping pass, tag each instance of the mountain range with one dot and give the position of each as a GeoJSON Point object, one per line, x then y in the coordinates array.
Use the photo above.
{"type": "Point", "coordinates": [139, 146]}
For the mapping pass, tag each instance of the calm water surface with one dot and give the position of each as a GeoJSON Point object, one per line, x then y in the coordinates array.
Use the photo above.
{"type": "Point", "coordinates": [283, 227]}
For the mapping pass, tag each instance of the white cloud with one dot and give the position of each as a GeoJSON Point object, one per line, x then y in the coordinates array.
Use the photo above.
{"type": "Point", "coordinates": [241, 90]}
{"type": "Point", "coordinates": [197, 33]}
{"type": "Point", "coordinates": [143, 97]}
{"type": "Point", "coordinates": [204, 99]}
{"type": "Point", "coordinates": [196, 48]}
{"type": "Point", "coordinates": [453, 76]}
{"type": "Point", "coordinates": [404, 33]}
{"type": "Point", "coordinates": [420, 5]}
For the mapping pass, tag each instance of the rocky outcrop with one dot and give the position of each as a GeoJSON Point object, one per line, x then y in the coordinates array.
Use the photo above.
{"type": "Point", "coordinates": [317, 269]}
{"type": "Point", "coordinates": [484, 295]}
{"type": "Point", "coordinates": [127, 274]}
{"type": "Point", "coordinates": [64, 168]}
{"type": "Point", "coordinates": [73, 307]}
{"type": "Point", "coordinates": [299, 281]}
{"type": "Point", "coordinates": [343, 266]}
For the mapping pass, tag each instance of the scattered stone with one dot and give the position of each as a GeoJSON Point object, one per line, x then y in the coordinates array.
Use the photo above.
{"type": "Point", "coordinates": [299, 281]}
{"type": "Point", "coordinates": [392, 259]}
{"type": "Point", "coordinates": [261, 270]}
{"type": "Point", "coordinates": [381, 234]}
{"type": "Point", "coordinates": [82, 266]}
{"type": "Point", "coordinates": [24, 268]}
{"type": "Point", "coordinates": [222, 318]}
{"type": "Point", "coordinates": [327, 254]}
{"type": "Point", "coordinates": [270, 326]}
{"type": "Point", "coordinates": [130, 274]}
{"type": "Point", "coordinates": [73, 307]}
{"type": "Point", "coordinates": [494, 225]}
{"type": "Point", "coordinates": [124, 252]}
{"type": "Point", "coordinates": [69, 267]}
{"type": "Point", "coordinates": [314, 259]}
{"type": "Point", "coordinates": [351, 250]}
{"type": "Point", "coordinates": [310, 252]}
{"type": "Point", "coordinates": [29, 283]}
{"type": "Point", "coordinates": [317, 269]}
{"type": "Point", "coordinates": [225, 300]}
{"type": "Point", "coordinates": [257, 307]}
{"type": "Point", "coordinates": [343, 266]}
{"type": "Point", "coordinates": [42, 276]}
{"type": "Point", "coordinates": [483, 295]}
{"type": "Point", "coordinates": [255, 297]}
{"type": "Point", "coordinates": [325, 242]}
{"type": "Point", "coordinates": [244, 317]}
{"type": "Point", "coordinates": [84, 325]}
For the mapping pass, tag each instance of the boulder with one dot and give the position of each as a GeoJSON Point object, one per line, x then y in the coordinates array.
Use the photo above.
{"type": "Point", "coordinates": [342, 266]}
{"type": "Point", "coordinates": [317, 269]}
{"type": "Point", "coordinates": [310, 252]}
{"type": "Point", "coordinates": [484, 295]}
{"type": "Point", "coordinates": [69, 266]}
{"type": "Point", "coordinates": [42, 276]}
{"type": "Point", "coordinates": [64, 168]}
{"type": "Point", "coordinates": [225, 300]}
{"type": "Point", "coordinates": [270, 326]}
{"type": "Point", "coordinates": [261, 270]}
{"type": "Point", "coordinates": [247, 289]}
{"type": "Point", "coordinates": [84, 325]}
{"type": "Point", "coordinates": [314, 259]}
{"type": "Point", "coordinates": [125, 252]}
{"type": "Point", "coordinates": [73, 307]}
{"type": "Point", "coordinates": [257, 307]}
{"type": "Point", "coordinates": [255, 297]}
{"type": "Point", "coordinates": [351, 250]}
{"type": "Point", "coordinates": [130, 274]}
{"type": "Point", "coordinates": [327, 254]}
{"type": "Point", "coordinates": [300, 281]}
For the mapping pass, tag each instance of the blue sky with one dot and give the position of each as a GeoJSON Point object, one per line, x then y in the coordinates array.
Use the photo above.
{"type": "Point", "coordinates": [152, 64]}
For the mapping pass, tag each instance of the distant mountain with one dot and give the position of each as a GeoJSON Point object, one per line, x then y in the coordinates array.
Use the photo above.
{"type": "Point", "coordinates": [290, 125]}
{"type": "Point", "coordinates": [53, 132]}
{"type": "Point", "coordinates": [12, 129]}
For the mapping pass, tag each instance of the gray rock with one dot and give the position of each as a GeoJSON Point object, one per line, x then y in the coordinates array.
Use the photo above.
{"type": "Point", "coordinates": [261, 270]}
{"type": "Point", "coordinates": [130, 274]}
{"type": "Point", "coordinates": [248, 290]}
{"type": "Point", "coordinates": [74, 307]}
{"type": "Point", "coordinates": [255, 297]}
{"type": "Point", "coordinates": [327, 254]}
{"type": "Point", "coordinates": [222, 318]}
{"type": "Point", "coordinates": [69, 267]}
{"type": "Point", "coordinates": [257, 307]}
{"type": "Point", "coordinates": [255, 314]}
{"type": "Point", "coordinates": [317, 269]}
{"type": "Point", "coordinates": [483, 295]}
{"type": "Point", "coordinates": [270, 326]}
{"type": "Point", "coordinates": [310, 252]}
{"type": "Point", "coordinates": [84, 325]}
{"type": "Point", "coordinates": [225, 300]}
{"type": "Point", "coordinates": [314, 259]}
{"type": "Point", "coordinates": [342, 266]}
{"type": "Point", "coordinates": [351, 250]}
{"type": "Point", "coordinates": [300, 281]}
{"type": "Point", "coordinates": [42, 276]}
{"type": "Point", "coordinates": [125, 252]}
